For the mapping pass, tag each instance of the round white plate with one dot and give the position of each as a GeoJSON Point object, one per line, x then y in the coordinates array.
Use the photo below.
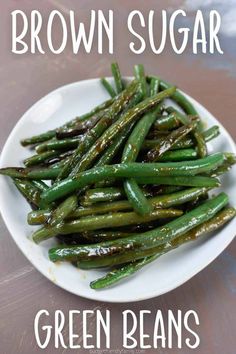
{"type": "Point", "coordinates": [163, 275]}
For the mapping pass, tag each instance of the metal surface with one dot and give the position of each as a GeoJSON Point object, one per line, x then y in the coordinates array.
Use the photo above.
{"type": "Point", "coordinates": [25, 79]}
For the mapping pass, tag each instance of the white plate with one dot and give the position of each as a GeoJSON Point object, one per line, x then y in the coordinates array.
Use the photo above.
{"type": "Point", "coordinates": [164, 274]}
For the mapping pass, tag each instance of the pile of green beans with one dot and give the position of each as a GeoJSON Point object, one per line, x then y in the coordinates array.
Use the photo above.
{"type": "Point", "coordinates": [127, 182]}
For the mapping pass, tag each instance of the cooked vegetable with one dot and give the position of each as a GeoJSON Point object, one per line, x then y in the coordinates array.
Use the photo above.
{"type": "Point", "coordinates": [117, 77]}
{"type": "Point", "coordinates": [126, 182]}
{"type": "Point", "coordinates": [91, 137]}
{"type": "Point", "coordinates": [161, 201]}
{"type": "Point", "coordinates": [127, 270]}
{"type": "Point", "coordinates": [103, 221]}
{"type": "Point", "coordinates": [134, 247]}
{"type": "Point", "coordinates": [108, 87]}
{"type": "Point", "coordinates": [185, 168]}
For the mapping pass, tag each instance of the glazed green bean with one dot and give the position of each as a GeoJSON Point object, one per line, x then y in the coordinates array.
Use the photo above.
{"type": "Point", "coordinates": [161, 201]}
{"type": "Point", "coordinates": [80, 127]}
{"type": "Point", "coordinates": [166, 189]}
{"type": "Point", "coordinates": [166, 143]}
{"type": "Point", "coordinates": [112, 150]}
{"type": "Point", "coordinates": [62, 144]}
{"type": "Point", "coordinates": [197, 134]}
{"type": "Point", "coordinates": [125, 120]}
{"type": "Point", "coordinates": [39, 138]}
{"type": "Point", "coordinates": [127, 270]}
{"type": "Point", "coordinates": [111, 153]}
{"type": "Point", "coordinates": [93, 236]}
{"type": "Point", "coordinates": [93, 135]}
{"type": "Point", "coordinates": [42, 186]}
{"type": "Point", "coordinates": [103, 221]}
{"type": "Point", "coordinates": [63, 210]}
{"type": "Point", "coordinates": [29, 191]}
{"type": "Point", "coordinates": [117, 77]}
{"type": "Point", "coordinates": [183, 168]}
{"type": "Point", "coordinates": [38, 217]}
{"type": "Point", "coordinates": [186, 143]}
{"type": "Point", "coordinates": [106, 84]}
{"type": "Point", "coordinates": [113, 252]}
{"type": "Point", "coordinates": [130, 153]}
{"type": "Point", "coordinates": [154, 86]}
{"type": "Point", "coordinates": [166, 122]}
{"type": "Point", "coordinates": [40, 158]}
{"type": "Point", "coordinates": [137, 136]}
{"type": "Point", "coordinates": [140, 75]}
{"type": "Point", "coordinates": [31, 173]}
{"type": "Point", "coordinates": [194, 181]}
{"type": "Point", "coordinates": [107, 194]}
{"type": "Point", "coordinates": [137, 197]}
{"type": "Point", "coordinates": [178, 155]}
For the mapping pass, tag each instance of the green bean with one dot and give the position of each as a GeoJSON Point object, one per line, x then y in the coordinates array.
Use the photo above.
{"type": "Point", "coordinates": [230, 158]}
{"type": "Point", "coordinates": [194, 181]}
{"type": "Point", "coordinates": [208, 135]}
{"type": "Point", "coordinates": [201, 144]}
{"type": "Point", "coordinates": [160, 201]}
{"type": "Point", "coordinates": [183, 168]}
{"type": "Point", "coordinates": [165, 189]}
{"type": "Point", "coordinates": [63, 210]}
{"type": "Point", "coordinates": [29, 191]}
{"type": "Point", "coordinates": [112, 150]}
{"type": "Point", "coordinates": [38, 217]}
{"type": "Point", "coordinates": [166, 143]}
{"type": "Point", "coordinates": [154, 86]}
{"type": "Point", "coordinates": [106, 84]}
{"type": "Point", "coordinates": [108, 194]}
{"type": "Point", "coordinates": [229, 161]}
{"type": "Point", "coordinates": [137, 136]}
{"type": "Point", "coordinates": [178, 155]}
{"type": "Point", "coordinates": [136, 197]}
{"type": "Point", "coordinates": [132, 248]}
{"type": "Point", "coordinates": [125, 120]}
{"type": "Point", "coordinates": [127, 270]}
{"type": "Point", "coordinates": [54, 144]}
{"type": "Point", "coordinates": [31, 173]}
{"type": "Point", "coordinates": [130, 153]}
{"type": "Point", "coordinates": [94, 236]}
{"type": "Point", "coordinates": [183, 119]}
{"type": "Point", "coordinates": [224, 168]}
{"type": "Point", "coordinates": [38, 159]}
{"type": "Point", "coordinates": [166, 122]}
{"type": "Point", "coordinates": [197, 134]}
{"type": "Point", "coordinates": [117, 77]}
{"type": "Point", "coordinates": [140, 75]}
{"type": "Point", "coordinates": [80, 127]}
{"type": "Point", "coordinates": [38, 138]}
{"type": "Point", "coordinates": [93, 135]}
{"type": "Point", "coordinates": [42, 186]}
{"type": "Point", "coordinates": [103, 221]}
